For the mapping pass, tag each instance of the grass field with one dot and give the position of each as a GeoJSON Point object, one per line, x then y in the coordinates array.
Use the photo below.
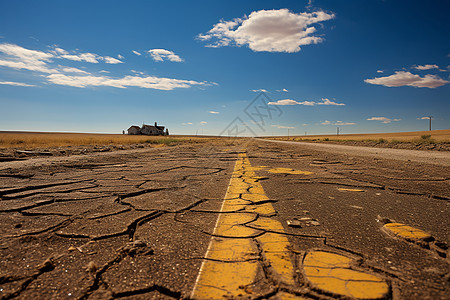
{"type": "Point", "coordinates": [44, 140]}
{"type": "Point", "coordinates": [434, 136]}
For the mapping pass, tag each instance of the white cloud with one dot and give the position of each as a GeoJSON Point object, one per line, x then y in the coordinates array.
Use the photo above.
{"type": "Point", "coordinates": [17, 57]}
{"type": "Point", "coordinates": [427, 67]}
{"type": "Point", "coordinates": [423, 118]}
{"type": "Point", "coordinates": [120, 56]}
{"type": "Point", "coordinates": [137, 53]}
{"type": "Point", "coordinates": [188, 123]}
{"type": "Point", "coordinates": [15, 83]}
{"type": "Point", "coordinates": [61, 51]}
{"type": "Point", "coordinates": [74, 70]}
{"type": "Point", "coordinates": [150, 82]}
{"type": "Point", "coordinates": [163, 54]}
{"type": "Point", "coordinates": [325, 101]}
{"type": "Point", "coordinates": [337, 123]}
{"type": "Point", "coordinates": [104, 71]}
{"type": "Point", "coordinates": [283, 90]}
{"type": "Point", "coordinates": [379, 71]}
{"type": "Point", "coordinates": [260, 90]}
{"type": "Point", "coordinates": [203, 122]}
{"type": "Point", "coordinates": [112, 60]}
{"type": "Point", "coordinates": [383, 119]}
{"type": "Point", "coordinates": [268, 30]}
{"type": "Point", "coordinates": [214, 112]}
{"type": "Point", "coordinates": [87, 57]}
{"type": "Point", "coordinates": [282, 127]}
{"type": "Point", "coordinates": [403, 78]}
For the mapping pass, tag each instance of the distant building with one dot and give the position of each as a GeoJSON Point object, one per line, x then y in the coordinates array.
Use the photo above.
{"type": "Point", "coordinates": [134, 130]}
{"type": "Point", "coordinates": [148, 130]}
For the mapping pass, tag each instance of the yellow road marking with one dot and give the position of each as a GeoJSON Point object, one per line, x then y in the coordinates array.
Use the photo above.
{"type": "Point", "coordinates": [289, 171]}
{"type": "Point", "coordinates": [331, 272]}
{"type": "Point", "coordinates": [350, 190]}
{"type": "Point", "coordinates": [407, 232]}
{"type": "Point", "coordinates": [231, 260]}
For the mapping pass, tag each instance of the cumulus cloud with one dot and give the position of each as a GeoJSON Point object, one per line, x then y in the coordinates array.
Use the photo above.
{"type": "Point", "coordinates": [15, 83]}
{"type": "Point", "coordinates": [260, 90]}
{"type": "Point", "coordinates": [324, 101]}
{"type": "Point", "coordinates": [214, 112]}
{"type": "Point", "coordinates": [268, 30]}
{"type": "Point", "coordinates": [163, 54]}
{"type": "Point", "coordinates": [149, 82]}
{"type": "Point", "coordinates": [383, 119]}
{"type": "Point", "coordinates": [337, 123]}
{"type": "Point", "coordinates": [403, 78]}
{"type": "Point", "coordinates": [427, 67]}
{"type": "Point", "coordinates": [137, 53]}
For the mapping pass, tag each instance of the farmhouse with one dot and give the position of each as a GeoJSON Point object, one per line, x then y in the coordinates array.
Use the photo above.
{"type": "Point", "coordinates": [148, 130]}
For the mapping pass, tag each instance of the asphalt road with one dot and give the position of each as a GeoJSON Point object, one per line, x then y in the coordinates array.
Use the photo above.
{"type": "Point", "coordinates": [243, 219]}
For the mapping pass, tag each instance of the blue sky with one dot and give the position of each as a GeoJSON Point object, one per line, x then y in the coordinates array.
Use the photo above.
{"type": "Point", "coordinates": [196, 66]}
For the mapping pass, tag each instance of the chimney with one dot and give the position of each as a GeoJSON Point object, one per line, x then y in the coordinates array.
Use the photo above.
{"type": "Point", "coordinates": [156, 124]}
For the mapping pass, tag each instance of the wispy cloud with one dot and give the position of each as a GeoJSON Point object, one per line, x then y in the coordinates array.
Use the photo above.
{"type": "Point", "coordinates": [75, 70]}
{"type": "Point", "coordinates": [283, 90]}
{"type": "Point", "coordinates": [203, 122]}
{"type": "Point", "coordinates": [282, 127]}
{"type": "Point", "coordinates": [214, 112]}
{"type": "Point", "coordinates": [268, 30]}
{"type": "Point", "coordinates": [337, 123]}
{"type": "Point", "coordinates": [149, 82]}
{"type": "Point", "coordinates": [163, 54]}
{"type": "Point", "coordinates": [383, 119]}
{"type": "Point", "coordinates": [403, 78]}
{"type": "Point", "coordinates": [380, 71]}
{"type": "Point", "coordinates": [187, 123]}
{"type": "Point", "coordinates": [259, 90]}
{"type": "Point", "coordinates": [137, 53]}
{"type": "Point", "coordinates": [15, 83]}
{"type": "Point", "coordinates": [324, 101]}
{"type": "Point", "coordinates": [17, 57]}
{"type": "Point", "coordinates": [426, 67]}
{"type": "Point", "coordinates": [120, 56]}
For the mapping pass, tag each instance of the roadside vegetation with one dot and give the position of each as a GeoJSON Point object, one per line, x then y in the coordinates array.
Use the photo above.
{"type": "Point", "coordinates": [29, 140]}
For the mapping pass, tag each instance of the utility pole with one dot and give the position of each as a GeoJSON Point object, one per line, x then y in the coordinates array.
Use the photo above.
{"type": "Point", "coordinates": [288, 133]}
{"type": "Point", "coordinates": [430, 117]}
{"type": "Point", "coordinates": [305, 133]}
{"type": "Point", "coordinates": [337, 131]}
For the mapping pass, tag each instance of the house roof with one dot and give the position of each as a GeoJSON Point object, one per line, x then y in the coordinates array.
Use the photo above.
{"type": "Point", "coordinates": [152, 127]}
{"type": "Point", "coordinates": [135, 127]}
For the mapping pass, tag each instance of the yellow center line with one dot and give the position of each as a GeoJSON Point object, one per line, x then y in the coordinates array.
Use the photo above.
{"type": "Point", "coordinates": [234, 257]}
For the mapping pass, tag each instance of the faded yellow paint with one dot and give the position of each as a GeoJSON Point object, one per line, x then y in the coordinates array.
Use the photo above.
{"type": "Point", "coordinates": [332, 273]}
{"type": "Point", "coordinates": [407, 232]}
{"type": "Point", "coordinates": [350, 190]}
{"type": "Point", "coordinates": [231, 258]}
{"type": "Point", "coordinates": [289, 171]}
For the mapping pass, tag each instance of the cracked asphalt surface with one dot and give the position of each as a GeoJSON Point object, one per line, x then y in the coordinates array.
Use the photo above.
{"type": "Point", "coordinates": [137, 224]}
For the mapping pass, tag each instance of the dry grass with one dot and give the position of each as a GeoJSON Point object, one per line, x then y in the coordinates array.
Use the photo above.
{"type": "Point", "coordinates": [49, 140]}
{"type": "Point", "coordinates": [434, 136]}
